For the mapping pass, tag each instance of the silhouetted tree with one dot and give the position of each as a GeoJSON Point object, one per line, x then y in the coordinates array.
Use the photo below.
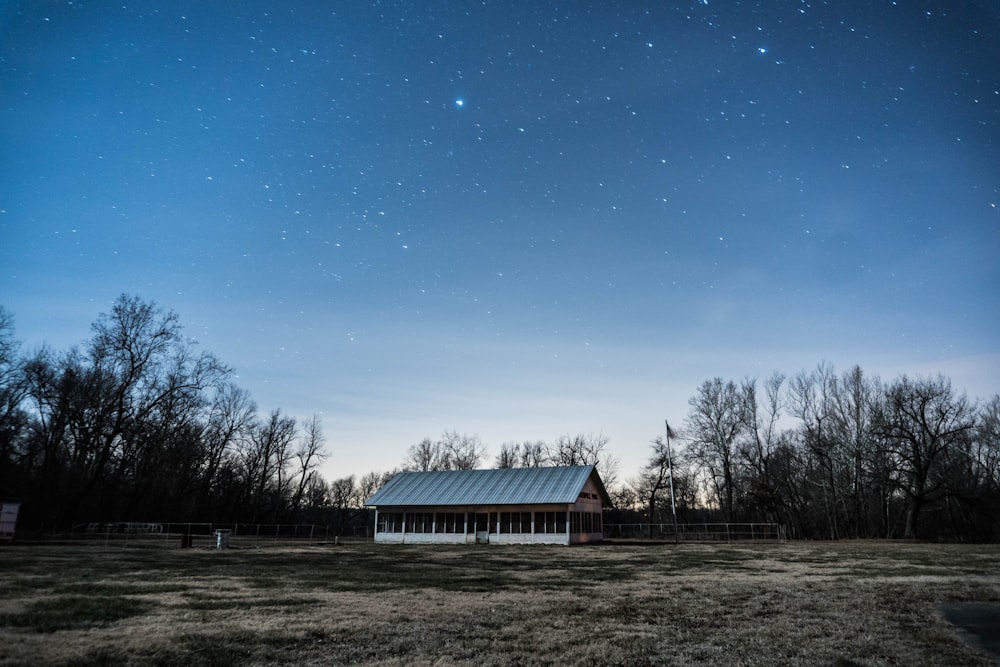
{"type": "Point", "coordinates": [308, 456]}
{"type": "Point", "coordinates": [453, 451]}
{"type": "Point", "coordinates": [585, 449]}
{"type": "Point", "coordinates": [715, 421]}
{"type": "Point", "coordinates": [921, 421]}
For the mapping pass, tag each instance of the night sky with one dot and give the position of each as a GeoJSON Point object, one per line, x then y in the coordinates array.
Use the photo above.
{"type": "Point", "coordinates": [515, 219]}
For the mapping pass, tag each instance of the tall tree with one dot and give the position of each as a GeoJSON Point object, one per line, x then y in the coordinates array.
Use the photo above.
{"type": "Point", "coordinates": [811, 402]}
{"type": "Point", "coordinates": [371, 482]}
{"type": "Point", "coordinates": [139, 367]}
{"type": "Point", "coordinates": [308, 456]}
{"type": "Point", "coordinates": [715, 421]}
{"type": "Point", "coordinates": [264, 458]}
{"type": "Point", "coordinates": [761, 436]}
{"type": "Point", "coordinates": [462, 451]}
{"type": "Point", "coordinates": [921, 420]}
{"type": "Point", "coordinates": [586, 449]}
{"type": "Point", "coordinates": [13, 391]}
{"type": "Point", "coordinates": [852, 398]}
{"type": "Point", "coordinates": [654, 481]}
{"type": "Point", "coordinates": [507, 457]}
{"type": "Point", "coordinates": [984, 454]}
{"type": "Point", "coordinates": [527, 454]}
{"type": "Point", "coordinates": [452, 451]}
{"type": "Point", "coordinates": [426, 455]}
{"type": "Point", "coordinates": [229, 426]}
{"type": "Point", "coordinates": [344, 500]}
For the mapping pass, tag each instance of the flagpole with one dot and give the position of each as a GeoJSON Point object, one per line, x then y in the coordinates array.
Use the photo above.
{"type": "Point", "coordinates": [670, 467]}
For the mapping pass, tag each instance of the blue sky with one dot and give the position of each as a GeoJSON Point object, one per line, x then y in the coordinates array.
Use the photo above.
{"type": "Point", "coordinates": [520, 220]}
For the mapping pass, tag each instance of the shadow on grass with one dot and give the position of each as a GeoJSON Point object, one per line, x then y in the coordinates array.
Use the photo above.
{"type": "Point", "coordinates": [71, 612]}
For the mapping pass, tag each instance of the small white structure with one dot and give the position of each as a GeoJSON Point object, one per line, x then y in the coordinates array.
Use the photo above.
{"type": "Point", "coordinates": [8, 519]}
{"type": "Point", "coordinates": [554, 505]}
{"type": "Point", "coordinates": [222, 538]}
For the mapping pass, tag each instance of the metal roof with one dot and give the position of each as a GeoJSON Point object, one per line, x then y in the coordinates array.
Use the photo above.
{"type": "Point", "coordinates": [505, 486]}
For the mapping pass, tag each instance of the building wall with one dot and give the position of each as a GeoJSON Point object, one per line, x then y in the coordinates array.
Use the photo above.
{"type": "Point", "coordinates": [494, 538]}
{"type": "Point", "coordinates": [590, 503]}
{"type": "Point", "coordinates": [580, 522]}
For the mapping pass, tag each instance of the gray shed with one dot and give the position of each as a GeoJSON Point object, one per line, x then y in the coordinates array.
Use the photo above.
{"type": "Point", "coordinates": [553, 505]}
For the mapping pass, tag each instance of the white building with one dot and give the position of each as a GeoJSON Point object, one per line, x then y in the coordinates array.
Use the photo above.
{"type": "Point", "coordinates": [555, 505]}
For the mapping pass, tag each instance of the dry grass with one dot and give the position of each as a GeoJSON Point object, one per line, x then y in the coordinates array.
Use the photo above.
{"type": "Point", "coordinates": [858, 603]}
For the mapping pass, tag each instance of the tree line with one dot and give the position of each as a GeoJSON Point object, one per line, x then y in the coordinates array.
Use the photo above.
{"type": "Point", "coordinates": [137, 424]}
{"type": "Point", "coordinates": [831, 456]}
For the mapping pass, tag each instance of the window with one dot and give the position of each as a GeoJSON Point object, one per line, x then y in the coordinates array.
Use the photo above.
{"type": "Point", "coordinates": [390, 522]}
{"type": "Point", "coordinates": [550, 522]}
{"type": "Point", "coordinates": [515, 522]}
{"type": "Point", "coordinates": [450, 522]}
{"type": "Point", "coordinates": [419, 522]}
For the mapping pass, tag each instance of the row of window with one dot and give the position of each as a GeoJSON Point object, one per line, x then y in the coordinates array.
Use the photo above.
{"type": "Point", "coordinates": [492, 522]}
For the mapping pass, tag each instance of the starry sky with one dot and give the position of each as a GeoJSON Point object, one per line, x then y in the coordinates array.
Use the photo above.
{"type": "Point", "coordinates": [514, 219]}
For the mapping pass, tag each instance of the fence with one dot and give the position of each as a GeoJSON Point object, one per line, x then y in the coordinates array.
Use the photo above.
{"type": "Point", "coordinates": [697, 532]}
{"type": "Point", "coordinates": [240, 535]}
{"type": "Point", "coordinates": [148, 533]}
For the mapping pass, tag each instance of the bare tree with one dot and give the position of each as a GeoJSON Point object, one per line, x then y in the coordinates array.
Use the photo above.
{"type": "Point", "coordinates": [715, 420]}
{"type": "Point", "coordinates": [139, 368]}
{"type": "Point", "coordinates": [760, 439]}
{"type": "Point", "coordinates": [811, 401]}
{"type": "Point", "coordinates": [344, 498]}
{"type": "Point", "coordinates": [13, 391]}
{"type": "Point", "coordinates": [534, 454]}
{"type": "Point", "coordinates": [654, 479]}
{"type": "Point", "coordinates": [462, 451]}
{"type": "Point", "coordinates": [371, 482]}
{"type": "Point", "coordinates": [264, 458]}
{"type": "Point", "coordinates": [627, 496]}
{"type": "Point", "coordinates": [424, 456]}
{"type": "Point", "coordinates": [231, 420]}
{"type": "Point", "coordinates": [528, 454]}
{"type": "Point", "coordinates": [922, 420]}
{"type": "Point", "coordinates": [508, 456]}
{"type": "Point", "coordinates": [308, 456]}
{"type": "Point", "coordinates": [453, 451]}
{"type": "Point", "coordinates": [852, 398]}
{"type": "Point", "coordinates": [984, 471]}
{"type": "Point", "coordinates": [586, 449]}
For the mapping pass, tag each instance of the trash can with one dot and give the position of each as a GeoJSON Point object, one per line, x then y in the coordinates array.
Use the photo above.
{"type": "Point", "coordinates": [222, 539]}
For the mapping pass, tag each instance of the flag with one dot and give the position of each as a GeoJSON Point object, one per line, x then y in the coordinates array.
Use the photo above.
{"type": "Point", "coordinates": [670, 432]}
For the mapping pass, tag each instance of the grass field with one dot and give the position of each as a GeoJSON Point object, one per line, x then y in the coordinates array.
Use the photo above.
{"type": "Point", "coordinates": [851, 603]}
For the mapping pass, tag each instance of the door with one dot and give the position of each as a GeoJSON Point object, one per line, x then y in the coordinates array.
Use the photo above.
{"type": "Point", "coordinates": [482, 528]}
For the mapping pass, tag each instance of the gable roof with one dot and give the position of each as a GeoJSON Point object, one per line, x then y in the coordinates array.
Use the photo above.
{"type": "Point", "coordinates": [506, 486]}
